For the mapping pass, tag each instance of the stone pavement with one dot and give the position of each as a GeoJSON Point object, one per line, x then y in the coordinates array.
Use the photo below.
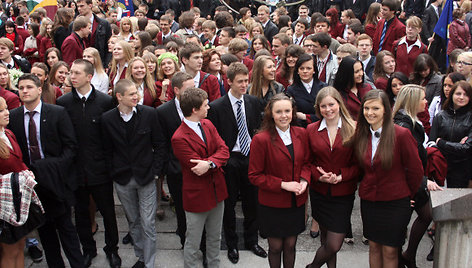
{"type": "Point", "coordinates": [170, 255]}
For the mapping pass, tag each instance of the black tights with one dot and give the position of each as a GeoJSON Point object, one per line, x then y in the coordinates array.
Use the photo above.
{"type": "Point", "coordinates": [331, 243]}
{"type": "Point", "coordinates": [420, 225]}
{"type": "Point", "coordinates": [278, 245]}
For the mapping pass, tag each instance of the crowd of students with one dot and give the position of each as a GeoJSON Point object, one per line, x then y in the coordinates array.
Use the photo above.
{"type": "Point", "coordinates": [274, 110]}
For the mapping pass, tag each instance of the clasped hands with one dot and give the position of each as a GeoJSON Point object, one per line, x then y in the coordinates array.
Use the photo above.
{"type": "Point", "coordinates": [294, 186]}
{"type": "Point", "coordinates": [328, 177]}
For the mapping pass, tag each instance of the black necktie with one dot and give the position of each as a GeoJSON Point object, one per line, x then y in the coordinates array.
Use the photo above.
{"type": "Point", "coordinates": [203, 133]}
{"type": "Point", "coordinates": [9, 66]}
{"type": "Point", "coordinates": [33, 140]}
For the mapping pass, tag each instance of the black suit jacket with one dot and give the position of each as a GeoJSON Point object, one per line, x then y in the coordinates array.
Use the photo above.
{"type": "Point", "coordinates": [54, 173]}
{"type": "Point", "coordinates": [170, 121]}
{"type": "Point", "coordinates": [429, 22]}
{"type": "Point", "coordinates": [142, 156]}
{"type": "Point", "coordinates": [90, 160]}
{"type": "Point", "coordinates": [270, 30]}
{"type": "Point", "coordinates": [305, 101]}
{"type": "Point", "coordinates": [369, 69]}
{"type": "Point", "coordinates": [222, 116]}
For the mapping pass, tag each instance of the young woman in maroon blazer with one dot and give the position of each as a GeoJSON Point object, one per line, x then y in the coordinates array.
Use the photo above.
{"type": "Point", "coordinates": [334, 174]}
{"type": "Point", "coordinates": [384, 67]}
{"type": "Point", "coordinates": [121, 55]}
{"type": "Point", "coordinates": [392, 175]}
{"type": "Point", "coordinates": [279, 166]}
{"type": "Point", "coordinates": [11, 160]}
{"type": "Point", "coordinates": [139, 74]}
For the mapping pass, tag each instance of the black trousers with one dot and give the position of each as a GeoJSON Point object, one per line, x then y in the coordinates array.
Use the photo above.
{"type": "Point", "coordinates": [102, 194]}
{"type": "Point", "coordinates": [174, 181]}
{"type": "Point", "coordinates": [237, 183]}
{"type": "Point", "coordinates": [61, 225]}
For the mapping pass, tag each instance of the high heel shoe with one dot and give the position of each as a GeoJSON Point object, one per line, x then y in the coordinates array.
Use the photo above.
{"type": "Point", "coordinates": [404, 263]}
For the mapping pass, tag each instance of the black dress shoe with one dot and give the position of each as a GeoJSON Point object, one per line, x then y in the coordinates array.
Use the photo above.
{"type": "Point", "coordinates": [233, 255]}
{"type": "Point", "coordinates": [314, 234]}
{"type": "Point", "coordinates": [256, 249]}
{"type": "Point", "coordinates": [114, 260]}
{"type": "Point", "coordinates": [128, 239]}
{"type": "Point", "coordinates": [88, 258]}
{"type": "Point", "coordinates": [138, 264]}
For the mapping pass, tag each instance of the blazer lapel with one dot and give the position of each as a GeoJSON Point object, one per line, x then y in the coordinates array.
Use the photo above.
{"type": "Point", "coordinates": [280, 144]}
{"type": "Point", "coordinates": [16, 148]}
{"type": "Point", "coordinates": [174, 113]}
{"type": "Point", "coordinates": [195, 137]}
{"type": "Point", "coordinates": [43, 122]}
{"type": "Point", "coordinates": [229, 111]}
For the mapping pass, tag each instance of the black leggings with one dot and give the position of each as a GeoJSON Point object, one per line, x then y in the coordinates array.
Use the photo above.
{"type": "Point", "coordinates": [278, 245]}
{"type": "Point", "coordinates": [331, 243]}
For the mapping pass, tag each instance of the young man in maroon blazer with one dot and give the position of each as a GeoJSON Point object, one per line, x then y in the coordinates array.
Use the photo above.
{"type": "Point", "coordinates": [191, 56]}
{"type": "Point", "coordinates": [164, 22]}
{"type": "Point", "coordinates": [74, 45]}
{"type": "Point", "coordinates": [389, 27]}
{"type": "Point", "coordinates": [201, 153]}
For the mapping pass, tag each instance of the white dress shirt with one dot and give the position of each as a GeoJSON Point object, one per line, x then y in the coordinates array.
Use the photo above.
{"type": "Point", "coordinates": [375, 142]}
{"type": "Point", "coordinates": [179, 110]}
{"type": "Point", "coordinates": [128, 116]}
{"type": "Point", "coordinates": [308, 86]}
{"type": "Point", "coordinates": [194, 126]}
{"type": "Point", "coordinates": [285, 135]}
{"type": "Point", "coordinates": [234, 105]}
{"type": "Point", "coordinates": [37, 121]}
{"type": "Point", "coordinates": [87, 95]}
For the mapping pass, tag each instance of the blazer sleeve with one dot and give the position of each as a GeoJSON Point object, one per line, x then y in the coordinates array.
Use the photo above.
{"type": "Point", "coordinates": [455, 36]}
{"type": "Point", "coordinates": [158, 144]}
{"type": "Point", "coordinates": [257, 162]}
{"type": "Point", "coordinates": [221, 155]}
{"type": "Point", "coordinates": [411, 161]}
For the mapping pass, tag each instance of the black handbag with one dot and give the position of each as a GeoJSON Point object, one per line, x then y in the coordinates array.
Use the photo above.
{"type": "Point", "coordinates": [10, 234]}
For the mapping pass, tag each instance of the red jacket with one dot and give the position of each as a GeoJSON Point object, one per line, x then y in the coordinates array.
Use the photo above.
{"type": "Point", "coordinates": [210, 85]}
{"type": "Point", "coordinates": [201, 193]}
{"type": "Point", "coordinates": [248, 62]}
{"type": "Point", "coordinates": [459, 36]}
{"type": "Point", "coordinates": [395, 31]}
{"type": "Point", "coordinates": [216, 43]}
{"type": "Point", "coordinates": [270, 164]}
{"type": "Point", "coordinates": [159, 38]}
{"type": "Point", "coordinates": [370, 30]}
{"type": "Point", "coordinates": [148, 100]}
{"type": "Point", "coordinates": [23, 33]}
{"type": "Point", "coordinates": [353, 102]}
{"type": "Point", "coordinates": [336, 30]}
{"type": "Point", "coordinates": [405, 60]}
{"type": "Point", "coordinates": [14, 163]}
{"type": "Point", "coordinates": [43, 46]}
{"type": "Point", "coordinates": [404, 177]}
{"type": "Point", "coordinates": [113, 75]}
{"type": "Point", "coordinates": [72, 48]}
{"type": "Point", "coordinates": [381, 83]}
{"type": "Point", "coordinates": [12, 100]}
{"type": "Point", "coordinates": [339, 159]}
{"type": "Point", "coordinates": [159, 92]}
{"type": "Point", "coordinates": [282, 80]}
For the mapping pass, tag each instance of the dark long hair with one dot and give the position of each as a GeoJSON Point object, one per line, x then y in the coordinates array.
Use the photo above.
{"type": "Point", "coordinates": [423, 62]}
{"type": "Point", "coordinates": [264, 42]}
{"type": "Point", "coordinates": [468, 90]}
{"type": "Point", "coordinates": [268, 123]}
{"type": "Point", "coordinates": [344, 80]}
{"type": "Point", "coordinates": [294, 51]}
{"type": "Point", "coordinates": [455, 77]}
{"type": "Point", "coordinates": [302, 59]}
{"type": "Point", "coordinates": [400, 76]}
{"type": "Point", "coordinates": [387, 137]}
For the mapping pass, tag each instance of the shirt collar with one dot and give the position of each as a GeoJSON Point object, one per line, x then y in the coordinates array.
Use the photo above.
{"type": "Point", "coordinates": [37, 109]}
{"type": "Point", "coordinates": [403, 41]}
{"type": "Point", "coordinates": [308, 85]}
{"type": "Point", "coordinates": [196, 79]}
{"type": "Point", "coordinates": [87, 95]}
{"type": "Point", "coordinates": [373, 132]}
{"type": "Point", "coordinates": [233, 99]}
{"type": "Point", "coordinates": [323, 124]}
{"type": "Point", "coordinates": [191, 124]}
{"type": "Point", "coordinates": [283, 133]}
{"type": "Point", "coordinates": [134, 110]}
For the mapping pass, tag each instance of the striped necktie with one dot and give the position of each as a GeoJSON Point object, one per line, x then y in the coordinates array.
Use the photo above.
{"type": "Point", "coordinates": [243, 134]}
{"type": "Point", "coordinates": [382, 37]}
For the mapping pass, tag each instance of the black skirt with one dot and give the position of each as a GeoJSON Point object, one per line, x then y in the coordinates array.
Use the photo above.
{"type": "Point", "coordinates": [332, 212]}
{"type": "Point", "coordinates": [281, 222]}
{"type": "Point", "coordinates": [385, 222]}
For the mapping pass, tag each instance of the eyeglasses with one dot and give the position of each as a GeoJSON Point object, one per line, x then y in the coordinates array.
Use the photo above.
{"type": "Point", "coordinates": [464, 63]}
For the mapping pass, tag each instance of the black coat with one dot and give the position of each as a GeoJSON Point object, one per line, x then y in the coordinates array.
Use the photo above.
{"type": "Point", "coordinates": [102, 34]}
{"type": "Point", "coordinates": [451, 126]}
{"type": "Point", "coordinates": [54, 173]}
{"type": "Point", "coordinates": [60, 35]}
{"type": "Point", "coordinates": [270, 30]}
{"type": "Point", "coordinates": [429, 22]}
{"type": "Point", "coordinates": [170, 121]}
{"type": "Point", "coordinates": [222, 116]}
{"type": "Point", "coordinates": [306, 102]}
{"type": "Point", "coordinates": [142, 155]}
{"type": "Point", "coordinates": [90, 160]}
{"type": "Point", "coordinates": [416, 130]}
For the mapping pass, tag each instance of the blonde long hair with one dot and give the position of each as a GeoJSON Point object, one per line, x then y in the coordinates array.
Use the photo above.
{"type": "Point", "coordinates": [408, 99]}
{"type": "Point", "coordinates": [149, 83]}
{"type": "Point", "coordinates": [348, 125]}
{"type": "Point", "coordinates": [96, 59]}
{"type": "Point", "coordinates": [127, 51]}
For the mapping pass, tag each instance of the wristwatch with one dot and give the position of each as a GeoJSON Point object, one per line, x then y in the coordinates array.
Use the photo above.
{"type": "Point", "coordinates": [212, 165]}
